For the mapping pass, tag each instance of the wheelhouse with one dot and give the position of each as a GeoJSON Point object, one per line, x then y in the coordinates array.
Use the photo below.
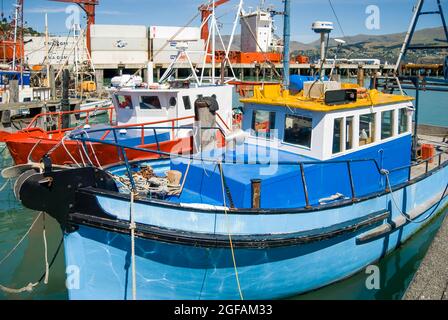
{"type": "Point", "coordinates": [149, 105]}
{"type": "Point", "coordinates": [380, 122]}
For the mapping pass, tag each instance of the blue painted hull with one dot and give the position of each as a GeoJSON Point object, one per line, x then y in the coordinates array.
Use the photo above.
{"type": "Point", "coordinates": [178, 271]}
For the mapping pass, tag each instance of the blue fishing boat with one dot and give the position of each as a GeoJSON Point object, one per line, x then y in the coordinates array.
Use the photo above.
{"type": "Point", "coordinates": [312, 190]}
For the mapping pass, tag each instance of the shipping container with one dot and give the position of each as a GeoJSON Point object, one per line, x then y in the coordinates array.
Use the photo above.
{"type": "Point", "coordinates": [119, 44]}
{"type": "Point", "coordinates": [162, 32]}
{"type": "Point", "coordinates": [118, 31]}
{"type": "Point", "coordinates": [166, 57]}
{"type": "Point", "coordinates": [61, 48]}
{"type": "Point", "coordinates": [119, 57]}
{"type": "Point", "coordinates": [166, 44]}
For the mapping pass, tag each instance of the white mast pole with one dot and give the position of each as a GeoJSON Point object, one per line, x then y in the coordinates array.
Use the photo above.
{"type": "Point", "coordinates": [213, 43]}
{"type": "Point", "coordinates": [16, 17]}
{"type": "Point", "coordinates": [47, 49]}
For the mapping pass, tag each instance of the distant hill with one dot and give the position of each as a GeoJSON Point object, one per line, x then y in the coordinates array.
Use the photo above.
{"type": "Point", "coordinates": [383, 47]}
{"type": "Point", "coordinates": [6, 27]}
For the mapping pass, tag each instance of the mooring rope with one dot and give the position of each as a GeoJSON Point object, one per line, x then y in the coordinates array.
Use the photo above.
{"type": "Point", "coordinates": [44, 235]}
{"type": "Point", "coordinates": [29, 287]}
{"type": "Point", "coordinates": [4, 185]}
{"type": "Point", "coordinates": [132, 227]}
{"type": "Point", "coordinates": [386, 173]}
{"type": "Point", "coordinates": [228, 231]}
{"type": "Point", "coordinates": [21, 239]}
{"type": "Point", "coordinates": [69, 154]}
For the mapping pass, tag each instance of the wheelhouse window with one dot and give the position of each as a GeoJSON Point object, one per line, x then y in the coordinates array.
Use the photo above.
{"type": "Point", "coordinates": [263, 122]}
{"type": "Point", "coordinates": [387, 124]}
{"type": "Point", "coordinates": [403, 120]}
{"type": "Point", "coordinates": [337, 135]}
{"type": "Point", "coordinates": [349, 133]}
{"type": "Point", "coordinates": [298, 130]}
{"type": "Point", "coordinates": [366, 129]}
{"type": "Point", "coordinates": [125, 102]}
{"type": "Point", "coordinates": [187, 102]}
{"type": "Point", "coordinates": [150, 103]}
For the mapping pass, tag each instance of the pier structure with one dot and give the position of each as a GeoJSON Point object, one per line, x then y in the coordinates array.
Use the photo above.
{"type": "Point", "coordinates": [431, 279]}
{"type": "Point", "coordinates": [253, 71]}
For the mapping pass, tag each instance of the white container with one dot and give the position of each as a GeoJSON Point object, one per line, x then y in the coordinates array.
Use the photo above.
{"type": "Point", "coordinates": [119, 57]}
{"type": "Point", "coordinates": [166, 57]}
{"type": "Point", "coordinates": [118, 31]}
{"type": "Point", "coordinates": [165, 44]}
{"type": "Point", "coordinates": [119, 44]}
{"type": "Point", "coordinates": [61, 49]}
{"type": "Point", "coordinates": [164, 32]}
{"type": "Point", "coordinates": [317, 89]}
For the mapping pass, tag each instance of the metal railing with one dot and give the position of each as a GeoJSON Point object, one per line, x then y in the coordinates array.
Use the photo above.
{"type": "Point", "coordinates": [60, 114]}
{"type": "Point", "coordinates": [83, 136]}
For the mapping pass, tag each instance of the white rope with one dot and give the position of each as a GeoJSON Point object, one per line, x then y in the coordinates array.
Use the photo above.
{"type": "Point", "coordinates": [69, 154]}
{"type": "Point", "coordinates": [30, 286]}
{"type": "Point", "coordinates": [21, 240]}
{"type": "Point", "coordinates": [395, 202]}
{"type": "Point", "coordinates": [47, 268]}
{"type": "Point", "coordinates": [93, 151]}
{"type": "Point", "coordinates": [228, 231]}
{"type": "Point", "coordinates": [133, 227]}
{"type": "Point", "coordinates": [4, 185]}
{"type": "Point", "coordinates": [27, 288]}
{"type": "Point", "coordinates": [33, 148]}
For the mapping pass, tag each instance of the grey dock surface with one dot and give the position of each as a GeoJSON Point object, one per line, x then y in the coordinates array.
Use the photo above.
{"type": "Point", "coordinates": [431, 280]}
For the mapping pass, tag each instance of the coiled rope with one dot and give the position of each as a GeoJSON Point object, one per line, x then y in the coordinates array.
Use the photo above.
{"type": "Point", "coordinates": [228, 231]}
{"type": "Point", "coordinates": [386, 173]}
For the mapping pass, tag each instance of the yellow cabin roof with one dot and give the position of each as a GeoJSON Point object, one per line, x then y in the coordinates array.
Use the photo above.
{"type": "Point", "coordinates": [274, 95]}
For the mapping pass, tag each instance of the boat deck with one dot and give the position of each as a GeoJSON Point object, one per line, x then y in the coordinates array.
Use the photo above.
{"type": "Point", "coordinates": [426, 166]}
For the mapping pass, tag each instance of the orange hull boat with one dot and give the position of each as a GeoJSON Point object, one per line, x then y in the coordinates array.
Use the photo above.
{"type": "Point", "coordinates": [33, 143]}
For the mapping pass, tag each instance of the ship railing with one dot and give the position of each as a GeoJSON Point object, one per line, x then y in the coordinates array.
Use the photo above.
{"type": "Point", "coordinates": [441, 157]}
{"type": "Point", "coordinates": [143, 128]}
{"type": "Point", "coordinates": [59, 115]}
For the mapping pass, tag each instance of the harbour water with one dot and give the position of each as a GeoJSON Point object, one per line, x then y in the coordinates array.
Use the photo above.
{"type": "Point", "coordinates": [27, 263]}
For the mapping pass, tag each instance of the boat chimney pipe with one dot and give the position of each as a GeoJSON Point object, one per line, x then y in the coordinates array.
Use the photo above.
{"type": "Point", "coordinates": [256, 193]}
{"type": "Point", "coordinates": [65, 101]}
{"type": "Point", "coordinates": [361, 77]}
{"type": "Point", "coordinates": [286, 40]}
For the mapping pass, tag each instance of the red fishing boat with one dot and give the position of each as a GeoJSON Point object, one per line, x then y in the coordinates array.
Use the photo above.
{"type": "Point", "coordinates": [32, 143]}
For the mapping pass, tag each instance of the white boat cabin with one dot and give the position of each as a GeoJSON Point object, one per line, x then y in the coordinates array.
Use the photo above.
{"type": "Point", "coordinates": [312, 129]}
{"type": "Point", "coordinates": [137, 106]}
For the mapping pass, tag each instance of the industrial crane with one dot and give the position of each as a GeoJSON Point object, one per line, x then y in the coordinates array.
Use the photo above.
{"type": "Point", "coordinates": [206, 11]}
{"type": "Point", "coordinates": [89, 8]}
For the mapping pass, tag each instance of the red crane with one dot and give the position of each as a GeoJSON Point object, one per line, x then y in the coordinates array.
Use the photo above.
{"type": "Point", "coordinates": [89, 8]}
{"type": "Point", "coordinates": [206, 11]}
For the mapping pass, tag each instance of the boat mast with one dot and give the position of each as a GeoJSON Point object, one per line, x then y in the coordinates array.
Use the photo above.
{"type": "Point", "coordinates": [213, 42]}
{"type": "Point", "coordinates": [286, 39]}
{"type": "Point", "coordinates": [47, 51]}
{"type": "Point", "coordinates": [16, 17]}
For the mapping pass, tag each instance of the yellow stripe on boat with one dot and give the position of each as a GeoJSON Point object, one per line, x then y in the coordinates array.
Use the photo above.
{"type": "Point", "coordinates": [274, 95]}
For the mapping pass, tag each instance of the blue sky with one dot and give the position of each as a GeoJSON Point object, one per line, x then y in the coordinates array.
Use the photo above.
{"type": "Point", "coordinates": [394, 14]}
